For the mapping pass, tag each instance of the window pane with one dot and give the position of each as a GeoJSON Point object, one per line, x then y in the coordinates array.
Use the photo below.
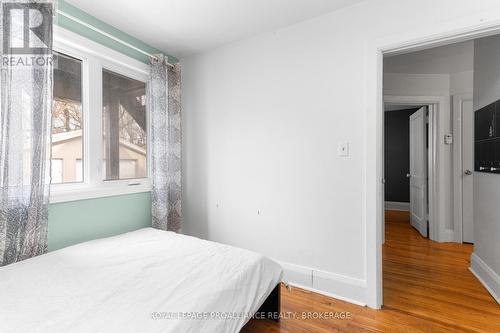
{"type": "Point", "coordinates": [67, 122]}
{"type": "Point", "coordinates": [124, 127]}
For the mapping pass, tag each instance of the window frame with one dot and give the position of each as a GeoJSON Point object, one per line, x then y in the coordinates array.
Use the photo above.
{"type": "Point", "coordinates": [95, 58]}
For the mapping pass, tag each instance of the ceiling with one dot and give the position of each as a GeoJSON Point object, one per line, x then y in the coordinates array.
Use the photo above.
{"type": "Point", "coordinates": [185, 27]}
{"type": "Point", "coordinates": [448, 59]}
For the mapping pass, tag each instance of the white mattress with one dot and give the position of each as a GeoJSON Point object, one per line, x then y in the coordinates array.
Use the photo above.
{"type": "Point", "coordinates": [118, 284]}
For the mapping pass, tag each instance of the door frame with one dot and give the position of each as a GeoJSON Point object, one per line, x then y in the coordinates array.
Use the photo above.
{"type": "Point", "coordinates": [458, 170]}
{"type": "Point", "coordinates": [473, 26]}
{"type": "Point", "coordinates": [434, 104]}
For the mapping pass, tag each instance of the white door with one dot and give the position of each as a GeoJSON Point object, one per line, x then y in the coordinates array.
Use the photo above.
{"type": "Point", "coordinates": [418, 171]}
{"type": "Point", "coordinates": [467, 167]}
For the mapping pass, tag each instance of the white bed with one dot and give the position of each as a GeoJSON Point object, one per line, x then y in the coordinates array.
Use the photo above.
{"type": "Point", "coordinates": [132, 282]}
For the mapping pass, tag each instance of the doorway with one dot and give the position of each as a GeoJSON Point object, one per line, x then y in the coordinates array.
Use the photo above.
{"type": "Point", "coordinates": [411, 174]}
{"type": "Point", "coordinates": [481, 264]}
{"type": "Point", "coordinates": [407, 176]}
{"type": "Point", "coordinates": [416, 227]}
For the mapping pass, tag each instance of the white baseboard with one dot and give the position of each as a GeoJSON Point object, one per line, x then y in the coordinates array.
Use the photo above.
{"type": "Point", "coordinates": [338, 286]}
{"type": "Point", "coordinates": [447, 235]}
{"type": "Point", "coordinates": [393, 205]}
{"type": "Point", "coordinates": [297, 275]}
{"type": "Point", "coordinates": [488, 277]}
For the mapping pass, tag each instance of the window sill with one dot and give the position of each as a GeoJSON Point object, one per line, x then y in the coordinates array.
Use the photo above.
{"type": "Point", "coordinates": [82, 192]}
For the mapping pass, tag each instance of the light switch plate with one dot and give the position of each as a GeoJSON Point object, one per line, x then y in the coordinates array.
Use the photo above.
{"type": "Point", "coordinates": [343, 149]}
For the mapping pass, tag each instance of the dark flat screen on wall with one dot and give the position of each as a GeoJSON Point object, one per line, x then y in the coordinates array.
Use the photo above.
{"type": "Point", "coordinates": [487, 138]}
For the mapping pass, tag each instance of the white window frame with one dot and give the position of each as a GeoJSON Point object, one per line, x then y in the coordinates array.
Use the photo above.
{"type": "Point", "coordinates": [95, 58]}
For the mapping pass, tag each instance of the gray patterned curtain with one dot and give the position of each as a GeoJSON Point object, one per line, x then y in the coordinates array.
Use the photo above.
{"type": "Point", "coordinates": [25, 125]}
{"type": "Point", "coordinates": [165, 111]}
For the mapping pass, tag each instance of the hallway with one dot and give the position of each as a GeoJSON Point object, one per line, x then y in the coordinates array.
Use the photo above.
{"type": "Point", "coordinates": [432, 281]}
{"type": "Point", "coordinates": [427, 288]}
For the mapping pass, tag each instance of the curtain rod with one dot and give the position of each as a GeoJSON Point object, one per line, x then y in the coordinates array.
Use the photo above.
{"type": "Point", "coordinates": [77, 20]}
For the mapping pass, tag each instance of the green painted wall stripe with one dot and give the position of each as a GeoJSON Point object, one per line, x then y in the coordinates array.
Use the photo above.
{"type": "Point", "coordinates": [79, 221]}
{"type": "Point", "coordinates": [86, 32]}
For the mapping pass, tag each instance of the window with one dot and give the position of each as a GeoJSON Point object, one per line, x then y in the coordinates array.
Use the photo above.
{"type": "Point", "coordinates": [124, 126]}
{"type": "Point", "coordinates": [100, 123]}
{"type": "Point", "coordinates": [67, 121]}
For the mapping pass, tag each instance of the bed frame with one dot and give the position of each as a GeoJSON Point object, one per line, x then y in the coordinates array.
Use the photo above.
{"type": "Point", "coordinates": [272, 305]}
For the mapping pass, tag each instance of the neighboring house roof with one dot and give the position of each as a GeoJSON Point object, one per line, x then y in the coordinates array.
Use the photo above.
{"type": "Point", "coordinates": [60, 138]}
{"type": "Point", "coordinates": [65, 136]}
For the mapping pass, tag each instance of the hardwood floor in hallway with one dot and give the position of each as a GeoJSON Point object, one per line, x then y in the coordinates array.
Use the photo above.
{"type": "Point", "coordinates": [427, 288]}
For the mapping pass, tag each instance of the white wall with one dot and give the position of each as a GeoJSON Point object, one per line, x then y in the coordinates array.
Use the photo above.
{"type": "Point", "coordinates": [416, 84]}
{"type": "Point", "coordinates": [486, 258]}
{"type": "Point", "coordinates": [462, 82]}
{"type": "Point", "coordinates": [262, 119]}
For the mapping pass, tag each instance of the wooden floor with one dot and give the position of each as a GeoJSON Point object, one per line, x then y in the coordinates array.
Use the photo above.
{"type": "Point", "coordinates": [427, 288]}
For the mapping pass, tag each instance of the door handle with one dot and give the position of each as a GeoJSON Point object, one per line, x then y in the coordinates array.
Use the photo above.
{"type": "Point", "coordinates": [468, 172]}
{"type": "Point", "coordinates": [408, 175]}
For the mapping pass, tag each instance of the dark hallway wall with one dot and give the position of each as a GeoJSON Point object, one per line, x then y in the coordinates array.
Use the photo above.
{"type": "Point", "coordinates": [397, 154]}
